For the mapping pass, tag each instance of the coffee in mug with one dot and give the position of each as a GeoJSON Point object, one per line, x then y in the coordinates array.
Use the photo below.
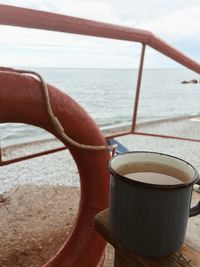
{"type": "Point", "coordinates": [153, 173]}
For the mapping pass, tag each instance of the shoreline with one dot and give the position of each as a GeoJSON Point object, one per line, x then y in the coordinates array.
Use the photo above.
{"type": "Point", "coordinates": [106, 130]}
{"type": "Point", "coordinates": [54, 168]}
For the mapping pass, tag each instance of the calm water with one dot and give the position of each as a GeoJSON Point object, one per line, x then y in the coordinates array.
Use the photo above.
{"type": "Point", "coordinates": [108, 95]}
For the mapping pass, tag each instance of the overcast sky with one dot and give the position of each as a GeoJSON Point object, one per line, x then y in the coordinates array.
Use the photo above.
{"type": "Point", "coordinates": [175, 21]}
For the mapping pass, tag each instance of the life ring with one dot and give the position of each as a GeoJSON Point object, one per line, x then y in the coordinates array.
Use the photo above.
{"type": "Point", "coordinates": [21, 100]}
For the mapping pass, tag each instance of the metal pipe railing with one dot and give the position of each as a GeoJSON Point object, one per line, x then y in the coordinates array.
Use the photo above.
{"type": "Point", "coordinates": [44, 153]}
{"type": "Point", "coordinates": [23, 17]}
{"type": "Point", "coordinates": [137, 93]}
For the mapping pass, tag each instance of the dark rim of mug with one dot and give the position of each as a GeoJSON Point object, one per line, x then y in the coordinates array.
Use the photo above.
{"type": "Point", "coordinates": [131, 181]}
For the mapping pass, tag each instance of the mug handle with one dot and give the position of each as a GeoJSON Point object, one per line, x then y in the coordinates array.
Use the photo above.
{"type": "Point", "coordinates": [196, 209]}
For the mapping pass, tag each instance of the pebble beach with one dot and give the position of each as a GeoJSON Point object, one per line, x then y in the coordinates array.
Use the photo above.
{"type": "Point", "coordinates": [60, 168]}
{"type": "Point", "coordinates": [53, 181]}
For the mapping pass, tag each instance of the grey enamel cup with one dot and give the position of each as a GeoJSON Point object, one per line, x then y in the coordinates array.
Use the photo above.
{"type": "Point", "coordinates": [150, 219]}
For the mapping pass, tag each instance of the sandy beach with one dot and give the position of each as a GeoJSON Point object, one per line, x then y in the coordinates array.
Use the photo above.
{"type": "Point", "coordinates": [34, 193]}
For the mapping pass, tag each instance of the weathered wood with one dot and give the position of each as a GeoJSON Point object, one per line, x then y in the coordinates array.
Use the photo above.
{"type": "Point", "coordinates": [187, 256]}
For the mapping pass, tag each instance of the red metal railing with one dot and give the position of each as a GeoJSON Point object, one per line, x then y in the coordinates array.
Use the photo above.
{"type": "Point", "coordinates": [46, 152]}
{"type": "Point", "coordinates": [22, 17]}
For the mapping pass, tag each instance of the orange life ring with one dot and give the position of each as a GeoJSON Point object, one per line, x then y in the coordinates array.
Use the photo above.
{"type": "Point", "coordinates": [21, 100]}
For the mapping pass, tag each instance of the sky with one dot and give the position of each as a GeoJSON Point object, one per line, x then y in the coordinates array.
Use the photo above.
{"type": "Point", "coordinates": [176, 22]}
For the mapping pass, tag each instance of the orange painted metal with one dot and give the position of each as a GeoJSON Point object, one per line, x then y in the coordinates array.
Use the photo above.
{"type": "Point", "coordinates": [43, 153]}
{"type": "Point", "coordinates": [23, 17]}
{"type": "Point", "coordinates": [110, 136]}
{"type": "Point", "coordinates": [21, 100]}
{"type": "Point", "coordinates": [137, 93]}
{"type": "Point", "coordinates": [166, 136]}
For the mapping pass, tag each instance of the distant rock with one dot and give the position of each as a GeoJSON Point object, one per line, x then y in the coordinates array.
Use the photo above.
{"type": "Point", "coordinates": [191, 81]}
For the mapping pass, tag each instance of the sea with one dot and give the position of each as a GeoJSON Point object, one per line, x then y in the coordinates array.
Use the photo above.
{"type": "Point", "coordinates": [108, 96]}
